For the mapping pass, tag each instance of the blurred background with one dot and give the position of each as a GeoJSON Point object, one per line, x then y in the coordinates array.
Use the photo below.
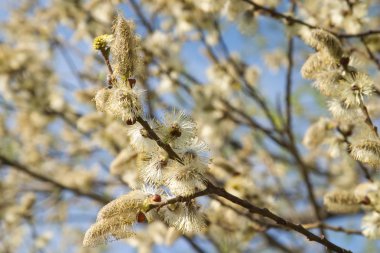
{"type": "Point", "coordinates": [225, 63]}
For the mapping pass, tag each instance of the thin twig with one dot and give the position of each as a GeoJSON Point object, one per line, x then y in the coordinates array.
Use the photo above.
{"type": "Point", "coordinates": [42, 177]}
{"type": "Point", "coordinates": [333, 228]}
{"type": "Point", "coordinates": [273, 241]}
{"type": "Point", "coordinates": [288, 91]}
{"type": "Point", "coordinates": [141, 16]}
{"type": "Point", "coordinates": [251, 91]}
{"type": "Point", "coordinates": [193, 244]}
{"type": "Point", "coordinates": [370, 54]}
{"type": "Point", "coordinates": [364, 169]}
{"type": "Point", "coordinates": [70, 63]}
{"type": "Point", "coordinates": [292, 20]}
{"type": "Point", "coordinates": [279, 220]}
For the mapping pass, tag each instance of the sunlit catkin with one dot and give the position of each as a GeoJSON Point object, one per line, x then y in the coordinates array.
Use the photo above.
{"type": "Point", "coordinates": [322, 40]}
{"type": "Point", "coordinates": [125, 49]}
{"type": "Point", "coordinates": [367, 151]}
{"type": "Point", "coordinates": [108, 230]}
{"type": "Point", "coordinates": [340, 201]}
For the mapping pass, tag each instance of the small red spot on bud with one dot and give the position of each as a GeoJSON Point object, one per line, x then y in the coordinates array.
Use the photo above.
{"type": "Point", "coordinates": [365, 201]}
{"type": "Point", "coordinates": [141, 218]}
{"type": "Point", "coordinates": [156, 198]}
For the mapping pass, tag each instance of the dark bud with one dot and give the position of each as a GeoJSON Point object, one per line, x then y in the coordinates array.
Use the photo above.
{"type": "Point", "coordinates": [131, 82]}
{"type": "Point", "coordinates": [355, 87]}
{"type": "Point", "coordinates": [175, 131]}
{"type": "Point", "coordinates": [344, 61]}
{"type": "Point", "coordinates": [346, 129]}
{"type": "Point", "coordinates": [130, 122]}
{"type": "Point", "coordinates": [141, 218]}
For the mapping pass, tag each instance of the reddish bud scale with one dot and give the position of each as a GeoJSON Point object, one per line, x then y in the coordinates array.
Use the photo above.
{"type": "Point", "coordinates": [141, 218]}
{"type": "Point", "coordinates": [365, 201]}
{"type": "Point", "coordinates": [156, 198]}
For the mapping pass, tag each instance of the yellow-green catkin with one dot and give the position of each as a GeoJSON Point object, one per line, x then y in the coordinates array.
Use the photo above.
{"type": "Point", "coordinates": [102, 42]}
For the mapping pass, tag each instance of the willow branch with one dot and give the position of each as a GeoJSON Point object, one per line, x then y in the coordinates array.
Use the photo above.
{"type": "Point", "coordinates": [152, 135]}
{"type": "Point", "coordinates": [250, 121]}
{"type": "Point", "coordinates": [141, 16]}
{"type": "Point", "coordinates": [364, 169]}
{"type": "Point", "coordinates": [292, 20]}
{"type": "Point", "coordinates": [334, 228]}
{"type": "Point", "coordinates": [42, 177]}
{"type": "Point", "coordinates": [370, 54]}
{"type": "Point", "coordinates": [279, 220]}
{"type": "Point", "coordinates": [272, 241]}
{"type": "Point", "coordinates": [195, 246]}
{"type": "Point", "coordinates": [240, 74]}
{"type": "Point", "coordinates": [288, 91]}
{"type": "Point", "coordinates": [264, 212]}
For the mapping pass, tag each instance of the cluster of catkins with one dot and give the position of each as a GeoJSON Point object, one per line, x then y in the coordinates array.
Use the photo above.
{"type": "Point", "coordinates": [161, 177]}
{"type": "Point", "coordinates": [347, 88]}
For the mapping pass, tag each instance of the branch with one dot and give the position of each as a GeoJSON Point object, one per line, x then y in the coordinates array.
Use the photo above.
{"type": "Point", "coordinates": [250, 121]}
{"type": "Point", "coordinates": [23, 168]}
{"type": "Point", "coordinates": [252, 92]}
{"type": "Point", "coordinates": [370, 54]}
{"type": "Point", "coordinates": [333, 228]}
{"type": "Point", "coordinates": [272, 241]}
{"type": "Point", "coordinates": [345, 135]}
{"type": "Point", "coordinates": [279, 15]}
{"type": "Point", "coordinates": [288, 92]}
{"type": "Point", "coordinates": [179, 199]}
{"type": "Point", "coordinates": [152, 135]}
{"type": "Point", "coordinates": [69, 62]}
{"type": "Point", "coordinates": [141, 16]}
{"type": "Point", "coordinates": [292, 20]}
{"type": "Point", "coordinates": [212, 189]}
{"type": "Point", "coordinates": [193, 244]}
{"type": "Point", "coordinates": [359, 35]}
{"type": "Point", "coordinates": [279, 220]}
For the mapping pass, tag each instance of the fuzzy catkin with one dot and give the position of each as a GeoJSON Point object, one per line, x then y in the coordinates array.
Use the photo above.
{"type": "Point", "coordinates": [322, 40]}
{"type": "Point", "coordinates": [108, 230]}
{"type": "Point", "coordinates": [125, 49]}
{"type": "Point", "coordinates": [340, 201]}
{"type": "Point", "coordinates": [128, 203]}
{"type": "Point", "coordinates": [366, 151]}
